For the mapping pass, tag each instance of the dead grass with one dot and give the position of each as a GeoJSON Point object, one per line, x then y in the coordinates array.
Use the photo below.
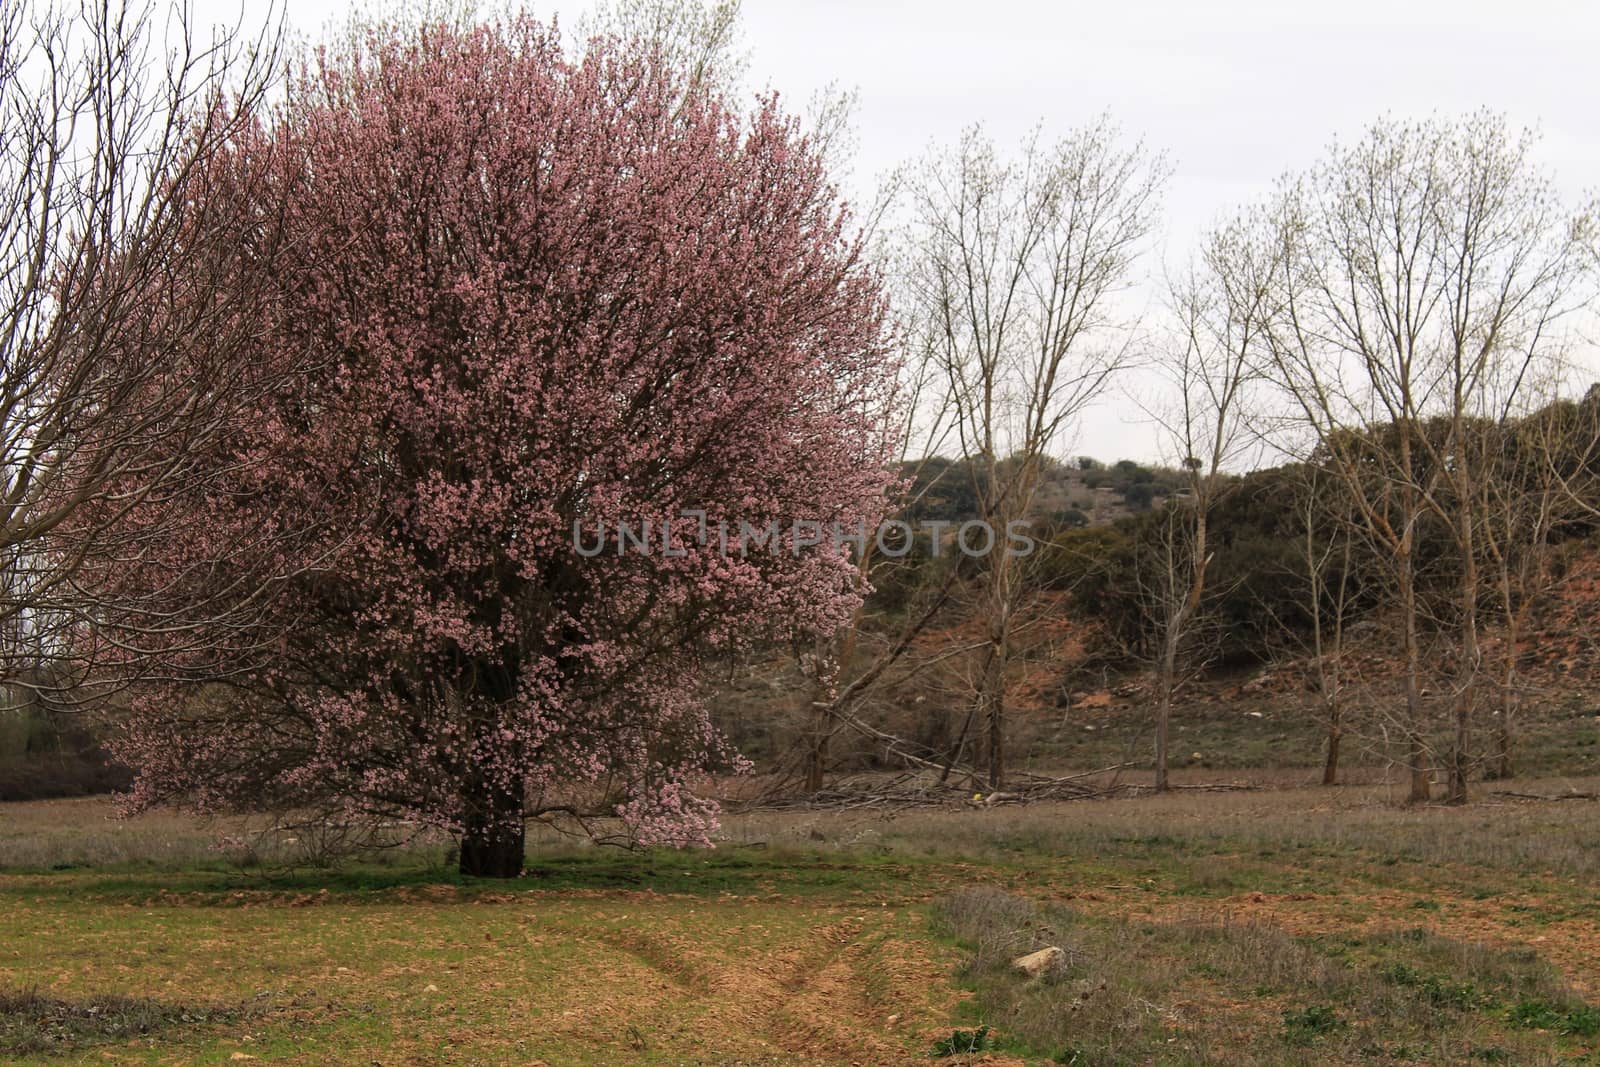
{"type": "Point", "coordinates": [1558, 839]}
{"type": "Point", "coordinates": [1249, 994]}
{"type": "Point", "coordinates": [32, 1023]}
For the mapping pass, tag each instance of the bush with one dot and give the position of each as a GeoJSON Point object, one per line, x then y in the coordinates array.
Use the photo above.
{"type": "Point", "coordinates": [964, 1042]}
{"type": "Point", "coordinates": [45, 755]}
{"type": "Point", "coordinates": [1304, 1026]}
{"type": "Point", "coordinates": [1575, 1019]}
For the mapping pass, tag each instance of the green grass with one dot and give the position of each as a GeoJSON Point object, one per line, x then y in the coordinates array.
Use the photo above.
{"type": "Point", "coordinates": [1258, 927]}
{"type": "Point", "coordinates": [596, 956]}
{"type": "Point", "coordinates": [735, 870]}
{"type": "Point", "coordinates": [423, 974]}
{"type": "Point", "coordinates": [1568, 1016]}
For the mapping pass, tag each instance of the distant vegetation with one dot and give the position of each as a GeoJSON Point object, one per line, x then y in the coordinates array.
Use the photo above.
{"type": "Point", "coordinates": [47, 752]}
{"type": "Point", "coordinates": [1082, 492]}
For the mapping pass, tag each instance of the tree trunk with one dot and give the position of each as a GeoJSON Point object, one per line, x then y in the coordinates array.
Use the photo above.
{"type": "Point", "coordinates": [1179, 616]}
{"type": "Point", "coordinates": [993, 698]}
{"type": "Point", "coordinates": [1330, 764]}
{"type": "Point", "coordinates": [1459, 759]}
{"type": "Point", "coordinates": [1416, 750]}
{"type": "Point", "coordinates": [493, 839]}
{"type": "Point", "coordinates": [1329, 680]}
{"type": "Point", "coordinates": [1163, 717]}
{"type": "Point", "coordinates": [1164, 686]}
{"type": "Point", "coordinates": [959, 746]}
{"type": "Point", "coordinates": [817, 754]}
{"type": "Point", "coordinates": [994, 702]}
{"type": "Point", "coordinates": [1503, 767]}
{"type": "Point", "coordinates": [820, 731]}
{"type": "Point", "coordinates": [823, 693]}
{"type": "Point", "coordinates": [1467, 670]}
{"type": "Point", "coordinates": [1417, 764]}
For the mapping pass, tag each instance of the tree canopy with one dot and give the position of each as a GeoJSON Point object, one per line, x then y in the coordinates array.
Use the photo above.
{"type": "Point", "coordinates": [528, 293]}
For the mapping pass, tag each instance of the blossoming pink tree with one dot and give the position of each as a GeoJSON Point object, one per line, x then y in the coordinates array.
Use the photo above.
{"type": "Point", "coordinates": [523, 292]}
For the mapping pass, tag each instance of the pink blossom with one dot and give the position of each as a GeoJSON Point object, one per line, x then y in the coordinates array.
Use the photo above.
{"type": "Point", "coordinates": [518, 291]}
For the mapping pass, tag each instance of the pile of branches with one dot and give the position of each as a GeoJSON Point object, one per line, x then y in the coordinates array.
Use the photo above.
{"type": "Point", "coordinates": [928, 788]}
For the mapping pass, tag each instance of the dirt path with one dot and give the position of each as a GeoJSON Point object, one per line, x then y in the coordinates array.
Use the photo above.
{"type": "Point", "coordinates": [541, 977]}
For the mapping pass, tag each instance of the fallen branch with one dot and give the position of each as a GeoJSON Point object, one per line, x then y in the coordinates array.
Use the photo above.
{"type": "Point", "coordinates": [918, 791]}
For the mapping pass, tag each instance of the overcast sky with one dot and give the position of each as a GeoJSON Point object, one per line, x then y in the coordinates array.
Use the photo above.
{"type": "Point", "coordinates": [1234, 92]}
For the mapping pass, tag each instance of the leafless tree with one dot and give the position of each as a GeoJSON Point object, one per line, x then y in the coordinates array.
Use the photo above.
{"type": "Point", "coordinates": [1531, 465]}
{"type": "Point", "coordinates": [701, 39]}
{"type": "Point", "coordinates": [1326, 572]}
{"type": "Point", "coordinates": [115, 332]}
{"type": "Point", "coordinates": [1014, 265]}
{"type": "Point", "coordinates": [1428, 268]}
{"type": "Point", "coordinates": [839, 676]}
{"type": "Point", "coordinates": [1220, 306]}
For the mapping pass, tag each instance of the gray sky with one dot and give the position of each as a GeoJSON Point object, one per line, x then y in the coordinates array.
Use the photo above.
{"type": "Point", "coordinates": [1236, 92]}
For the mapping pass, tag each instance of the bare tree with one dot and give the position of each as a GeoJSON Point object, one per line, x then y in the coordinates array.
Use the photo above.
{"type": "Point", "coordinates": [1014, 266]}
{"type": "Point", "coordinates": [115, 331]}
{"type": "Point", "coordinates": [837, 683]}
{"type": "Point", "coordinates": [1327, 547]}
{"type": "Point", "coordinates": [700, 39]}
{"type": "Point", "coordinates": [1317, 625]}
{"type": "Point", "coordinates": [1530, 464]}
{"type": "Point", "coordinates": [1221, 306]}
{"type": "Point", "coordinates": [1427, 268]}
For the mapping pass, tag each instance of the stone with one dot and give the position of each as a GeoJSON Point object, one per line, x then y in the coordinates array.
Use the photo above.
{"type": "Point", "coordinates": [1035, 964]}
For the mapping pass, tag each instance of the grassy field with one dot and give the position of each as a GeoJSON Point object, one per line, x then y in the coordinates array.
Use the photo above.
{"type": "Point", "coordinates": [1269, 926]}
